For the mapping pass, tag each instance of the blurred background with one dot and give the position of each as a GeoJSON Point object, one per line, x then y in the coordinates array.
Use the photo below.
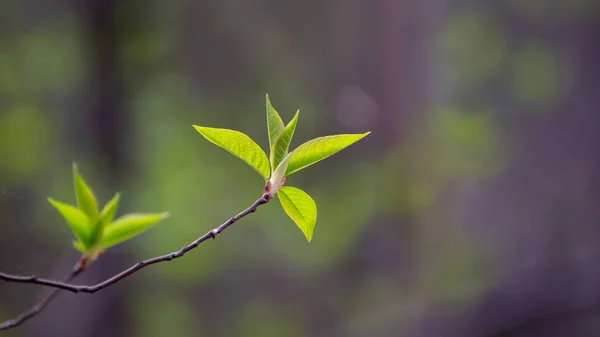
{"type": "Point", "coordinates": [471, 210]}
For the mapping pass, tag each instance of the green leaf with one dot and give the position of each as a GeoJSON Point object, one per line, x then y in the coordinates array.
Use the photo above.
{"type": "Point", "coordinates": [274, 123]}
{"type": "Point", "coordinates": [318, 149]}
{"type": "Point", "coordinates": [282, 144]}
{"type": "Point", "coordinates": [85, 198]}
{"type": "Point", "coordinates": [106, 216]}
{"type": "Point", "coordinates": [76, 219]}
{"type": "Point", "coordinates": [240, 145]}
{"type": "Point", "coordinates": [300, 207]}
{"type": "Point", "coordinates": [80, 247]}
{"type": "Point", "coordinates": [128, 226]}
{"type": "Point", "coordinates": [108, 211]}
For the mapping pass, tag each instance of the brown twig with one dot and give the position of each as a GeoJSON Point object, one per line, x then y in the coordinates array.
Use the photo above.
{"type": "Point", "coordinates": [37, 308]}
{"type": "Point", "coordinates": [65, 285]}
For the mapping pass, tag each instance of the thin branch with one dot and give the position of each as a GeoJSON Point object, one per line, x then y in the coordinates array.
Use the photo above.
{"type": "Point", "coordinates": [65, 285]}
{"type": "Point", "coordinates": [36, 309]}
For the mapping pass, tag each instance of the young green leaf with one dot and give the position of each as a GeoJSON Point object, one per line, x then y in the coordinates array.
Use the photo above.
{"type": "Point", "coordinates": [106, 216]}
{"type": "Point", "coordinates": [80, 247]}
{"type": "Point", "coordinates": [76, 219]}
{"type": "Point", "coordinates": [85, 198]}
{"type": "Point", "coordinates": [240, 145]}
{"type": "Point", "coordinates": [274, 123]}
{"type": "Point", "coordinates": [128, 226]}
{"type": "Point", "coordinates": [300, 207]}
{"type": "Point", "coordinates": [282, 144]}
{"type": "Point", "coordinates": [108, 211]}
{"type": "Point", "coordinates": [318, 149]}
{"type": "Point", "coordinates": [96, 232]}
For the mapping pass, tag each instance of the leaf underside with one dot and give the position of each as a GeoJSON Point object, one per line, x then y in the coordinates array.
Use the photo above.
{"type": "Point", "coordinates": [320, 148]}
{"type": "Point", "coordinates": [300, 207]}
{"type": "Point", "coordinates": [274, 123]}
{"type": "Point", "coordinates": [240, 145]}
{"type": "Point", "coordinates": [280, 148]}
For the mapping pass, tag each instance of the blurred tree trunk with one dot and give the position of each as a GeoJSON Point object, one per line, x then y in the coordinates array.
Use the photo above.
{"type": "Point", "coordinates": [103, 139]}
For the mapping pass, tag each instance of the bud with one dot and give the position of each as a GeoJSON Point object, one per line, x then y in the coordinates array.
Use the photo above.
{"type": "Point", "coordinates": [278, 177]}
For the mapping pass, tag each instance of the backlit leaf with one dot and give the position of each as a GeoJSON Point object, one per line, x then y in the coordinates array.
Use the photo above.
{"type": "Point", "coordinates": [300, 207]}
{"type": "Point", "coordinates": [274, 123]}
{"type": "Point", "coordinates": [85, 198]}
{"type": "Point", "coordinates": [240, 145]}
{"type": "Point", "coordinates": [318, 149]}
{"type": "Point", "coordinates": [280, 148]}
{"type": "Point", "coordinates": [75, 218]}
{"type": "Point", "coordinates": [128, 226]}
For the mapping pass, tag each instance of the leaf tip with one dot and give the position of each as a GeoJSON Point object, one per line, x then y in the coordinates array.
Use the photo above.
{"type": "Point", "coordinates": [309, 237]}
{"type": "Point", "coordinates": [296, 115]}
{"type": "Point", "coordinates": [54, 202]}
{"type": "Point", "coordinates": [201, 129]}
{"type": "Point", "coordinates": [116, 198]}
